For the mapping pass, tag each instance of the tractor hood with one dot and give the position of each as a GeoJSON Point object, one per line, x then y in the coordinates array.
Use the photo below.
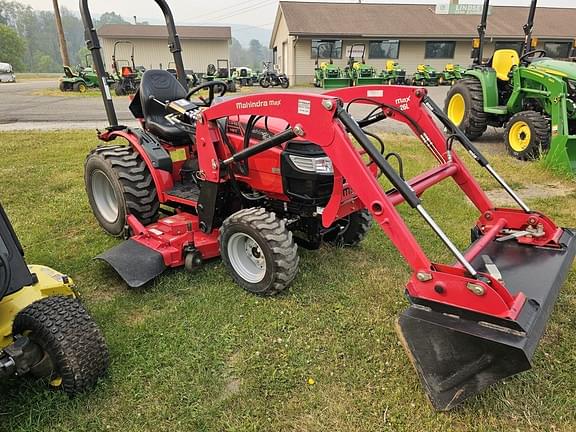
{"type": "Point", "coordinates": [556, 67]}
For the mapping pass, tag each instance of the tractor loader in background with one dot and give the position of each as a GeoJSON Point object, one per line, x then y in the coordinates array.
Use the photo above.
{"type": "Point", "coordinates": [533, 97]}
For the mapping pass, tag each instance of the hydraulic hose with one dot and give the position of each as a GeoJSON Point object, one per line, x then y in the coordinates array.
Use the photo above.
{"type": "Point", "coordinates": [6, 275]}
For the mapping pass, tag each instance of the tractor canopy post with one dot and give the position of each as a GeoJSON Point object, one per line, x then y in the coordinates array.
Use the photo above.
{"type": "Point", "coordinates": [93, 44]}
{"type": "Point", "coordinates": [478, 52]}
{"type": "Point", "coordinates": [528, 27]}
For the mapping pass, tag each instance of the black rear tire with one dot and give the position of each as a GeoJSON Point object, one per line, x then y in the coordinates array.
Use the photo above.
{"type": "Point", "coordinates": [71, 340]}
{"type": "Point", "coordinates": [134, 191]}
{"type": "Point", "coordinates": [474, 121]}
{"type": "Point", "coordinates": [538, 141]}
{"type": "Point", "coordinates": [350, 231]}
{"type": "Point", "coordinates": [274, 246]}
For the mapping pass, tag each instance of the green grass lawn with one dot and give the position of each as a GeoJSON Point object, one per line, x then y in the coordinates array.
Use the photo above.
{"type": "Point", "coordinates": [194, 352]}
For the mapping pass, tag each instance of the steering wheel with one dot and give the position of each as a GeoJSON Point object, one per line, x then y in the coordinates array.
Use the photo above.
{"type": "Point", "coordinates": [213, 87]}
{"type": "Point", "coordinates": [526, 56]}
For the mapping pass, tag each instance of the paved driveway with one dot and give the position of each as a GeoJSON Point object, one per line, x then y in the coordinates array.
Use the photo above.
{"type": "Point", "coordinates": [20, 109]}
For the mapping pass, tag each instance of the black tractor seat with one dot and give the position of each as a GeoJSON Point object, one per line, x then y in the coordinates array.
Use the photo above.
{"type": "Point", "coordinates": [161, 85]}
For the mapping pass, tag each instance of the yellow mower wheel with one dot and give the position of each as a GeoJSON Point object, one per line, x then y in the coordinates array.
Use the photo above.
{"type": "Point", "coordinates": [457, 108]}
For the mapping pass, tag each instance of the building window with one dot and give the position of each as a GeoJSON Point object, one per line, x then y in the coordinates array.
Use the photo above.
{"type": "Point", "coordinates": [321, 48]}
{"type": "Point", "coordinates": [515, 45]}
{"type": "Point", "coordinates": [440, 50]}
{"type": "Point", "coordinates": [558, 49]}
{"type": "Point", "coordinates": [384, 49]}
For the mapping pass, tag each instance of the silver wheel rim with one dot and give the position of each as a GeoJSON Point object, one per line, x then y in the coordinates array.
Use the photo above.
{"type": "Point", "coordinates": [104, 196]}
{"type": "Point", "coordinates": [246, 257]}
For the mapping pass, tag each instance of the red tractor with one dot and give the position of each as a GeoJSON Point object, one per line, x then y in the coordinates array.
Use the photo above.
{"type": "Point", "coordinates": [250, 178]}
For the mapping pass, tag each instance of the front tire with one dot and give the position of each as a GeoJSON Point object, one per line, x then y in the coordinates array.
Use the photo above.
{"type": "Point", "coordinates": [80, 87]}
{"type": "Point", "coordinates": [527, 135]}
{"type": "Point", "coordinates": [118, 183]}
{"type": "Point", "coordinates": [264, 83]}
{"type": "Point", "coordinates": [75, 351]}
{"type": "Point", "coordinates": [350, 231]}
{"type": "Point", "coordinates": [284, 83]}
{"type": "Point", "coordinates": [259, 251]}
{"type": "Point", "coordinates": [465, 107]}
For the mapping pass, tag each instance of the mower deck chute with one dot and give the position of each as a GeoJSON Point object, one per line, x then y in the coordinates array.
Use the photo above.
{"type": "Point", "coordinates": [458, 353]}
{"type": "Point", "coordinates": [135, 263]}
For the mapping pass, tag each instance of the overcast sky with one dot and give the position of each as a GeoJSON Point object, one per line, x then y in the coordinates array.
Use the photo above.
{"type": "Point", "coordinates": [258, 13]}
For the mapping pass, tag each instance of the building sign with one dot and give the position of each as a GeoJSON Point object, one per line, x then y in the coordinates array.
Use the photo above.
{"type": "Point", "coordinates": [460, 9]}
{"type": "Point", "coordinates": [357, 51]}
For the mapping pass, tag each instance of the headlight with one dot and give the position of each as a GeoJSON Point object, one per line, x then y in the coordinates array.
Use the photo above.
{"type": "Point", "coordinates": [320, 165]}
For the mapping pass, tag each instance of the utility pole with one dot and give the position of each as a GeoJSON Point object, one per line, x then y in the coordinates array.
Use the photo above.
{"type": "Point", "coordinates": [61, 37]}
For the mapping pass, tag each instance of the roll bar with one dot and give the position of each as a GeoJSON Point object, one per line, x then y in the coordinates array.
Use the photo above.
{"type": "Point", "coordinates": [93, 44]}
{"type": "Point", "coordinates": [479, 51]}
{"type": "Point", "coordinates": [528, 27]}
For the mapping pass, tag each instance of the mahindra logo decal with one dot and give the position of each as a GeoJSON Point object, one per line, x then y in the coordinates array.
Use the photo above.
{"type": "Point", "coordinates": [258, 104]}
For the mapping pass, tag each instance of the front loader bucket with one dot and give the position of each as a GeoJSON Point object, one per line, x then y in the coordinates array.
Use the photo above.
{"type": "Point", "coordinates": [334, 83]}
{"type": "Point", "coordinates": [562, 154]}
{"type": "Point", "coordinates": [458, 353]}
{"type": "Point", "coordinates": [370, 81]}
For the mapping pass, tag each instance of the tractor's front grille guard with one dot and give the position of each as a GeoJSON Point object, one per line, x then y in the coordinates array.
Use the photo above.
{"type": "Point", "coordinates": [322, 119]}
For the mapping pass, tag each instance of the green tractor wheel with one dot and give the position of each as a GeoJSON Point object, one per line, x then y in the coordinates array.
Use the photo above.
{"type": "Point", "coordinates": [527, 135]}
{"type": "Point", "coordinates": [63, 87]}
{"type": "Point", "coordinates": [80, 87]}
{"type": "Point", "coordinates": [465, 107]}
{"type": "Point", "coordinates": [441, 80]}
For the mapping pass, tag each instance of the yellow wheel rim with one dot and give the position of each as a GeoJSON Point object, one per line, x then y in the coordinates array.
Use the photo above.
{"type": "Point", "coordinates": [82, 88]}
{"type": "Point", "coordinates": [56, 382]}
{"type": "Point", "coordinates": [519, 136]}
{"type": "Point", "coordinates": [457, 109]}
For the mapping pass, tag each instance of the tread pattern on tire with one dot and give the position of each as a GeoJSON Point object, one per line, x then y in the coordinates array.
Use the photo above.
{"type": "Point", "coordinates": [139, 188]}
{"type": "Point", "coordinates": [360, 224]}
{"type": "Point", "coordinates": [476, 121]}
{"type": "Point", "coordinates": [71, 338]}
{"type": "Point", "coordinates": [274, 231]}
{"type": "Point", "coordinates": [539, 125]}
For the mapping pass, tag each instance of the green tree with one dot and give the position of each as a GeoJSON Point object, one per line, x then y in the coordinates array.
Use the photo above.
{"type": "Point", "coordinates": [110, 18]}
{"type": "Point", "coordinates": [12, 47]}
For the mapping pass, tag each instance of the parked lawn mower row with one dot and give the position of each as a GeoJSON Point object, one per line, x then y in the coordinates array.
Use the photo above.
{"type": "Point", "coordinates": [329, 76]}
{"type": "Point", "coordinates": [251, 179]}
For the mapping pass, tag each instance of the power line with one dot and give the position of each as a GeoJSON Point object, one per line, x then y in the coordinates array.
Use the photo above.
{"type": "Point", "coordinates": [245, 10]}
{"type": "Point", "coordinates": [230, 10]}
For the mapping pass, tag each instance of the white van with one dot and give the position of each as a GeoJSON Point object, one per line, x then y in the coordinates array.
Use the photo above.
{"type": "Point", "coordinates": [7, 73]}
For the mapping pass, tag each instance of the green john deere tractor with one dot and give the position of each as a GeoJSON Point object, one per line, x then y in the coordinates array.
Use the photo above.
{"type": "Point", "coordinates": [80, 81]}
{"type": "Point", "coordinates": [326, 74]}
{"type": "Point", "coordinates": [425, 75]}
{"type": "Point", "coordinates": [394, 73]}
{"type": "Point", "coordinates": [532, 96]}
{"type": "Point", "coordinates": [451, 74]}
{"type": "Point", "coordinates": [358, 71]}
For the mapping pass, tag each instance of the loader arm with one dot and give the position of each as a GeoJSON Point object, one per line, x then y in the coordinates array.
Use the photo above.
{"type": "Point", "coordinates": [472, 323]}
{"type": "Point", "coordinates": [323, 120]}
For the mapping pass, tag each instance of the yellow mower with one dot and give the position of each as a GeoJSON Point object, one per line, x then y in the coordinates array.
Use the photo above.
{"type": "Point", "coordinates": [44, 329]}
